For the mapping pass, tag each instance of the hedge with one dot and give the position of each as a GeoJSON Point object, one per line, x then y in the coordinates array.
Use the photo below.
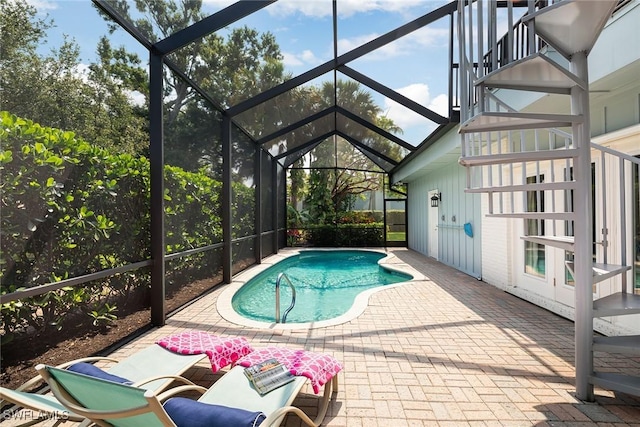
{"type": "Point", "coordinates": [70, 208]}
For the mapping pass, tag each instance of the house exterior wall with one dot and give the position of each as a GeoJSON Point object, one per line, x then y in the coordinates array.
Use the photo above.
{"type": "Point", "coordinates": [615, 118]}
{"type": "Point", "coordinates": [613, 66]}
{"type": "Point", "coordinates": [618, 44]}
{"type": "Point", "coordinates": [417, 216]}
{"type": "Point", "coordinates": [497, 249]}
{"type": "Point", "coordinates": [615, 110]}
{"type": "Point", "coordinates": [615, 123]}
{"type": "Point", "coordinates": [455, 248]}
{"type": "Point", "coordinates": [626, 140]}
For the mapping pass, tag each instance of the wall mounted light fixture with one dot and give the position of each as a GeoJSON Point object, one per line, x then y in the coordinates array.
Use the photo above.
{"type": "Point", "coordinates": [435, 200]}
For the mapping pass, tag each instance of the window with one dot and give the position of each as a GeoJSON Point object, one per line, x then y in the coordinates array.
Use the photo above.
{"type": "Point", "coordinates": [534, 253]}
{"type": "Point", "coordinates": [636, 224]}
{"type": "Point", "coordinates": [569, 226]}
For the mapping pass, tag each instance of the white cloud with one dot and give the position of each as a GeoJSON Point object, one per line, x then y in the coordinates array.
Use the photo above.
{"type": "Point", "coordinates": [218, 4]}
{"type": "Point", "coordinates": [345, 45]}
{"type": "Point", "coordinates": [407, 45]}
{"type": "Point", "coordinates": [313, 8]}
{"type": "Point", "coordinates": [346, 8]}
{"type": "Point", "coordinates": [440, 105]}
{"type": "Point", "coordinates": [429, 36]}
{"type": "Point", "coordinates": [418, 92]}
{"type": "Point", "coordinates": [43, 5]}
{"type": "Point", "coordinates": [137, 98]}
{"type": "Point", "coordinates": [291, 60]}
{"type": "Point", "coordinates": [306, 57]}
{"type": "Point", "coordinates": [401, 115]}
{"type": "Point", "coordinates": [81, 71]}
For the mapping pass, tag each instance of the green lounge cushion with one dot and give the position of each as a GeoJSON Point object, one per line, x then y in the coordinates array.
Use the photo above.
{"type": "Point", "coordinates": [191, 413]}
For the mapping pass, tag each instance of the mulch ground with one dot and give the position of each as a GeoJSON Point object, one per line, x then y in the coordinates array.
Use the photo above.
{"type": "Point", "coordinates": [82, 339]}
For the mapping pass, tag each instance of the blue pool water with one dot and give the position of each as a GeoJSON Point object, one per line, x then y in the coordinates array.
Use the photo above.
{"type": "Point", "coordinates": [326, 283]}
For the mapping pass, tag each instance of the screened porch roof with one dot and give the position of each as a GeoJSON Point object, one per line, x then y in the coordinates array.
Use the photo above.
{"type": "Point", "coordinates": [288, 133]}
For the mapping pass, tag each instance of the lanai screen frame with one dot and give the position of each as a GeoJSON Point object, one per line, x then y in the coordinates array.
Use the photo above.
{"type": "Point", "coordinates": [158, 60]}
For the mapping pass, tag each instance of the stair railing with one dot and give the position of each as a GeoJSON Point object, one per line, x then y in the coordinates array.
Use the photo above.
{"type": "Point", "coordinates": [628, 170]}
{"type": "Point", "coordinates": [480, 49]}
{"type": "Point", "coordinates": [282, 276]}
{"type": "Point", "coordinates": [518, 43]}
{"type": "Point", "coordinates": [510, 148]}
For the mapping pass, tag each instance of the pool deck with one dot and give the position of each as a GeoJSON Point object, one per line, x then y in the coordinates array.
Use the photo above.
{"type": "Point", "coordinates": [442, 350]}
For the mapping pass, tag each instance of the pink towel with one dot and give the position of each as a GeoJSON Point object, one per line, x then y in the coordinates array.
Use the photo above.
{"type": "Point", "coordinates": [318, 367]}
{"type": "Point", "coordinates": [222, 351]}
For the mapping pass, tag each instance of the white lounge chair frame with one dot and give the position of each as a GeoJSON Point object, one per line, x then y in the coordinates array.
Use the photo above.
{"type": "Point", "coordinates": [153, 368]}
{"type": "Point", "coordinates": [233, 389]}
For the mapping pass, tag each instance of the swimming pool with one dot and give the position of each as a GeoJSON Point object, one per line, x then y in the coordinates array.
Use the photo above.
{"type": "Point", "coordinates": [327, 284]}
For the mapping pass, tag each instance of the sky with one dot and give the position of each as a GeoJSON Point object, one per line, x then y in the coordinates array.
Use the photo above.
{"type": "Point", "coordinates": [415, 66]}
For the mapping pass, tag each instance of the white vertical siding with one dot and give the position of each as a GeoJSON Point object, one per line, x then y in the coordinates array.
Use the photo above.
{"type": "Point", "coordinates": [418, 226]}
{"type": "Point", "coordinates": [457, 207]}
{"type": "Point", "coordinates": [497, 249]}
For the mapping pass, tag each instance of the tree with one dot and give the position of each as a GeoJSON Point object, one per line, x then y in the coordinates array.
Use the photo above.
{"type": "Point", "coordinates": [54, 91]}
{"type": "Point", "coordinates": [118, 122]}
{"type": "Point", "coordinates": [340, 172]}
{"type": "Point", "coordinates": [229, 70]}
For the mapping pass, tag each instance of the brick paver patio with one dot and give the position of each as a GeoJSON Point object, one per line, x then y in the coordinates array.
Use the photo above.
{"type": "Point", "coordinates": [442, 350]}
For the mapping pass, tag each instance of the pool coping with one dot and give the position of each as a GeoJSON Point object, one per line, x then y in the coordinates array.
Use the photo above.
{"type": "Point", "coordinates": [361, 301]}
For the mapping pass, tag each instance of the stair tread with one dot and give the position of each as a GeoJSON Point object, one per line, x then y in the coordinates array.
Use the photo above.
{"type": "Point", "coordinates": [495, 121]}
{"type": "Point", "coordinates": [602, 271]}
{"type": "Point", "coordinates": [535, 215]}
{"type": "Point", "coordinates": [618, 382]}
{"type": "Point", "coordinates": [535, 72]}
{"type": "Point", "coordinates": [538, 186]}
{"type": "Point", "coordinates": [562, 242]}
{"type": "Point", "coordinates": [617, 304]}
{"type": "Point", "coordinates": [526, 156]}
{"type": "Point", "coordinates": [572, 27]}
{"type": "Point", "coordinates": [627, 344]}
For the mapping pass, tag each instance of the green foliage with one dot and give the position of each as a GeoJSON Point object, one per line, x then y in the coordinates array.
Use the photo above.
{"type": "Point", "coordinates": [331, 191]}
{"type": "Point", "coordinates": [357, 217]}
{"type": "Point", "coordinates": [396, 217]}
{"type": "Point", "coordinates": [346, 235]}
{"type": "Point", "coordinates": [320, 205]}
{"type": "Point", "coordinates": [104, 315]}
{"type": "Point", "coordinates": [52, 89]}
{"type": "Point", "coordinates": [192, 210]}
{"type": "Point", "coordinates": [70, 208]}
{"type": "Point", "coordinates": [246, 62]}
{"type": "Point", "coordinates": [294, 218]}
{"type": "Point", "coordinates": [63, 205]}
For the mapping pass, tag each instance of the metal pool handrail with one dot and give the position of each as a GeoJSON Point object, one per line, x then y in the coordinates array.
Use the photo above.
{"type": "Point", "coordinates": [293, 298]}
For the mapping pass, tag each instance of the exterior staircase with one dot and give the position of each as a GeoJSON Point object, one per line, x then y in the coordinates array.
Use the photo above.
{"type": "Point", "coordinates": [537, 166]}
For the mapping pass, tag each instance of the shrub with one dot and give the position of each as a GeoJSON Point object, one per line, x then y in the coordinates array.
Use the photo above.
{"type": "Point", "coordinates": [70, 208]}
{"type": "Point", "coordinates": [346, 235]}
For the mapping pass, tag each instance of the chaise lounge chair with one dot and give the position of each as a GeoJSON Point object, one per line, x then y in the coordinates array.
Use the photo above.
{"type": "Point", "coordinates": [153, 368]}
{"type": "Point", "coordinates": [143, 368]}
{"type": "Point", "coordinates": [231, 400]}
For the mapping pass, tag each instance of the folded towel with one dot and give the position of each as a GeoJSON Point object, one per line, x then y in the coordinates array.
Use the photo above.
{"type": "Point", "coordinates": [222, 351]}
{"type": "Point", "coordinates": [318, 367]}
